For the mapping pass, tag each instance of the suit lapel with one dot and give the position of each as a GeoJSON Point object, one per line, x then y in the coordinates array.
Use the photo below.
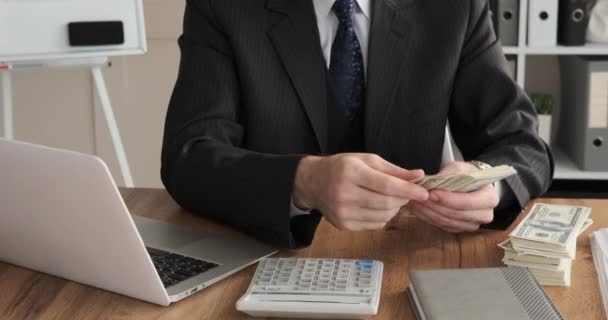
{"type": "Point", "coordinates": [390, 37]}
{"type": "Point", "coordinates": [295, 38]}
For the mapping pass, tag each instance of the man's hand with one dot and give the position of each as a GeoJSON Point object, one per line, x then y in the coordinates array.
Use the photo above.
{"type": "Point", "coordinates": [355, 191]}
{"type": "Point", "coordinates": [457, 212]}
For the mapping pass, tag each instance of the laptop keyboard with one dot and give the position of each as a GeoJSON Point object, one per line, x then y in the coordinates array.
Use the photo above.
{"type": "Point", "coordinates": [174, 268]}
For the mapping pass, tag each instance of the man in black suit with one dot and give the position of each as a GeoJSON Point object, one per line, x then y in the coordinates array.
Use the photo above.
{"type": "Point", "coordinates": [286, 111]}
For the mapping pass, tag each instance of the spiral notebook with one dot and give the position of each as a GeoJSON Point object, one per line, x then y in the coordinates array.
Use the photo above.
{"type": "Point", "coordinates": [509, 293]}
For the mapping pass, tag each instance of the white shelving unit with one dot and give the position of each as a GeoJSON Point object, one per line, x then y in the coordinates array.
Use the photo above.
{"type": "Point", "coordinates": [589, 49]}
{"type": "Point", "coordinates": [569, 171]}
{"type": "Point", "coordinates": [565, 169]}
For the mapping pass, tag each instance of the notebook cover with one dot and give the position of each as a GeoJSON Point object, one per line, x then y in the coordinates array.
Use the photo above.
{"type": "Point", "coordinates": [493, 293]}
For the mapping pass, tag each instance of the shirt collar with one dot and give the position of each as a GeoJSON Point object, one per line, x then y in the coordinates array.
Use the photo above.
{"type": "Point", "coordinates": [323, 7]}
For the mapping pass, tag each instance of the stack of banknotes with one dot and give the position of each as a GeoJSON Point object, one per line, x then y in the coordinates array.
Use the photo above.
{"type": "Point", "coordinates": [462, 182]}
{"type": "Point", "coordinates": [599, 250]}
{"type": "Point", "coordinates": [466, 182]}
{"type": "Point", "coordinates": [545, 242]}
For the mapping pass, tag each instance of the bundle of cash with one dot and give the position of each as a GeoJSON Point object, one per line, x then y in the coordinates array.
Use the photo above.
{"type": "Point", "coordinates": [466, 182]}
{"type": "Point", "coordinates": [545, 242]}
{"type": "Point", "coordinates": [599, 250]}
{"type": "Point", "coordinates": [462, 182]}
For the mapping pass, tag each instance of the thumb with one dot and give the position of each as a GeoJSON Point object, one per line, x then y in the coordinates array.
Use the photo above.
{"type": "Point", "coordinates": [394, 170]}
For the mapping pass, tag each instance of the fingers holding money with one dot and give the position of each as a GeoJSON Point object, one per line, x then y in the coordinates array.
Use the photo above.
{"type": "Point", "coordinates": [476, 216]}
{"type": "Point", "coordinates": [458, 212]}
{"type": "Point", "coordinates": [368, 199]}
{"type": "Point", "coordinates": [445, 222]}
{"type": "Point", "coordinates": [484, 198]}
{"type": "Point", "coordinates": [386, 184]}
{"type": "Point", "coordinates": [355, 191]}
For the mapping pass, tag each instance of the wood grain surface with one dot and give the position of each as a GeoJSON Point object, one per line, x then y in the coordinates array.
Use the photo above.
{"type": "Point", "coordinates": [405, 244]}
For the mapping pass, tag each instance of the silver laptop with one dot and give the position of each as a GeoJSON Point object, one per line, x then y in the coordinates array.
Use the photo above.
{"type": "Point", "coordinates": [62, 214]}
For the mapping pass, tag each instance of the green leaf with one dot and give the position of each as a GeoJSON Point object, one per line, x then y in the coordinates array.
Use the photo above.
{"type": "Point", "coordinates": [544, 103]}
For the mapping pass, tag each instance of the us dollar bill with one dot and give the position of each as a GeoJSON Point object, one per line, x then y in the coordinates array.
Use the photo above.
{"type": "Point", "coordinates": [550, 226]}
{"type": "Point", "coordinates": [508, 246]}
{"type": "Point", "coordinates": [545, 242]}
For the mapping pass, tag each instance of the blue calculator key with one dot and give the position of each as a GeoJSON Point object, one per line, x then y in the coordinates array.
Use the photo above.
{"type": "Point", "coordinates": [366, 264]}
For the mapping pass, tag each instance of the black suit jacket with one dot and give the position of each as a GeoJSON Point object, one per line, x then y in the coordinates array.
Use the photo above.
{"type": "Point", "coordinates": [250, 101]}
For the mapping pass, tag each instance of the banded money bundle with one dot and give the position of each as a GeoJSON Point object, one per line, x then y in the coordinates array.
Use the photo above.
{"type": "Point", "coordinates": [599, 250]}
{"type": "Point", "coordinates": [466, 182]}
{"type": "Point", "coordinates": [462, 182]}
{"type": "Point", "coordinates": [545, 242]}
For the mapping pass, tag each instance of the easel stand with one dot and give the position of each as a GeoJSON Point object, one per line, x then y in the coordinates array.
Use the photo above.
{"type": "Point", "coordinates": [95, 65]}
{"type": "Point", "coordinates": [7, 102]}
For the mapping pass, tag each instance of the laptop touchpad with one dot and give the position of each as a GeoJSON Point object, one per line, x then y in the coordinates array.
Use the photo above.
{"type": "Point", "coordinates": [164, 235]}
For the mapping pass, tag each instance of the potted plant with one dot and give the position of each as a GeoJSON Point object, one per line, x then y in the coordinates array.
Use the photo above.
{"type": "Point", "coordinates": [544, 104]}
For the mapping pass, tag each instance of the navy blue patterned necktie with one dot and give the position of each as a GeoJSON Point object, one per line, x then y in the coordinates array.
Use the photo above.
{"type": "Point", "coordinates": [346, 65]}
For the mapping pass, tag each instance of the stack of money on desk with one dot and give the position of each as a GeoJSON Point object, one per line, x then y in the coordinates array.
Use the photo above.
{"type": "Point", "coordinates": [599, 250]}
{"type": "Point", "coordinates": [545, 242]}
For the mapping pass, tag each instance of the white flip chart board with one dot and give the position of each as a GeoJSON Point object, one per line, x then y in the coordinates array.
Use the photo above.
{"type": "Point", "coordinates": [37, 30]}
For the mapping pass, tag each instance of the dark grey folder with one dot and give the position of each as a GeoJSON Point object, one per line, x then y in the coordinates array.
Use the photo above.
{"type": "Point", "coordinates": [508, 293]}
{"type": "Point", "coordinates": [507, 18]}
{"type": "Point", "coordinates": [512, 64]}
{"type": "Point", "coordinates": [583, 115]}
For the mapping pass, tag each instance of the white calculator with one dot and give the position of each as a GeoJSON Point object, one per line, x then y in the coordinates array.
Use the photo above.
{"type": "Point", "coordinates": [314, 288]}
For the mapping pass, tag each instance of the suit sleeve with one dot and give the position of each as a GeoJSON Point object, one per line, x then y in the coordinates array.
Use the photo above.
{"type": "Point", "coordinates": [494, 121]}
{"type": "Point", "coordinates": [204, 167]}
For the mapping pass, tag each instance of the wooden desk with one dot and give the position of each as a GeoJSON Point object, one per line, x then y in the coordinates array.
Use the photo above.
{"type": "Point", "coordinates": [405, 244]}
